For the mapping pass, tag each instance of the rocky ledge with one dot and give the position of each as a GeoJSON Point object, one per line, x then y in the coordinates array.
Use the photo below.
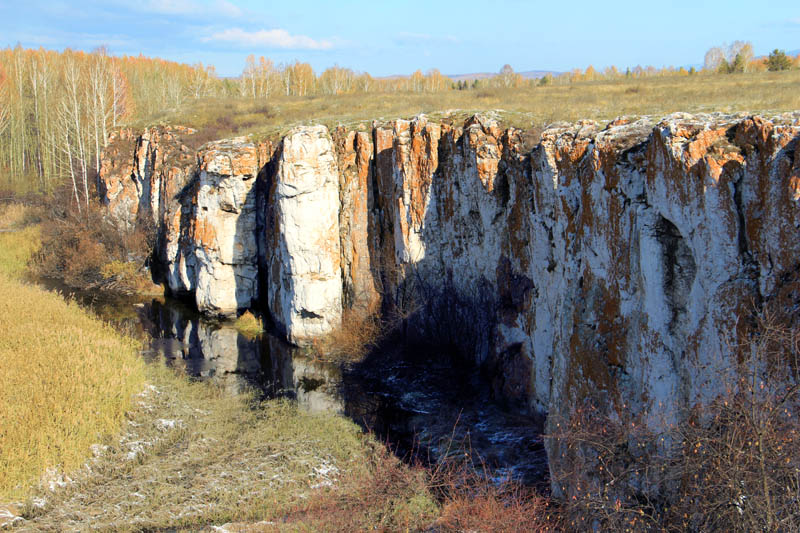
{"type": "Point", "coordinates": [614, 263]}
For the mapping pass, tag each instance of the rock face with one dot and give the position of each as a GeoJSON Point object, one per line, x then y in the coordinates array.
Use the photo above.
{"type": "Point", "coordinates": [304, 291]}
{"type": "Point", "coordinates": [147, 190]}
{"type": "Point", "coordinates": [358, 228]}
{"type": "Point", "coordinates": [139, 175]}
{"type": "Point", "coordinates": [223, 227]}
{"type": "Point", "coordinates": [202, 205]}
{"type": "Point", "coordinates": [613, 264]}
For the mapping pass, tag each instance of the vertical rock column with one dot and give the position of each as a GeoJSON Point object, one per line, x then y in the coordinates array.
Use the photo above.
{"type": "Point", "coordinates": [357, 232]}
{"type": "Point", "coordinates": [303, 251]}
{"type": "Point", "coordinates": [223, 232]}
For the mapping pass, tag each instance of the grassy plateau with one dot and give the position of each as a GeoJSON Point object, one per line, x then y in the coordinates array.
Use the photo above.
{"type": "Point", "coordinates": [601, 100]}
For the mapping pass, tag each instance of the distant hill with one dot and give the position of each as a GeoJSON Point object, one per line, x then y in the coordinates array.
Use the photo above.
{"type": "Point", "coordinates": [528, 74]}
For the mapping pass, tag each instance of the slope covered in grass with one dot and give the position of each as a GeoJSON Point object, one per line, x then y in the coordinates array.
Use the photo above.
{"type": "Point", "coordinates": [172, 453]}
{"type": "Point", "coordinates": [67, 379]}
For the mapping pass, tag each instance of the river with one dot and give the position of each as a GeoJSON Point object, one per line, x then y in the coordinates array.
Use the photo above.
{"type": "Point", "coordinates": [424, 407]}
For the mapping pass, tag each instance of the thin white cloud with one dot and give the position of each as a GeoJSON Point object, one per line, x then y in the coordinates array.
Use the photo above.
{"type": "Point", "coordinates": [192, 8]}
{"type": "Point", "coordinates": [170, 7]}
{"type": "Point", "coordinates": [75, 40]}
{"type": "Point", "coordinates": [277, 38]}
{"type": "Point", "coordinates": [419, 38]}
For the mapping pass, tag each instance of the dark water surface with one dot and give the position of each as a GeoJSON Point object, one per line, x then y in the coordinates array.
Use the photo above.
{"type": "Point", "coordinates": [423, 406]}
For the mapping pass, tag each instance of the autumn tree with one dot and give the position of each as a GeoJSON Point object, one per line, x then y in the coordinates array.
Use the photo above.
{"type": "Point", "coordinates": [4, 107]}
{"type": "Point", "coordinates": [201, 80]}
{"type": "Point", "coordinates": [122, 105]}
{"type": "Point", "coordinates": [723, 58]}
{"type": "Point", "coordinates": [739, 63]}
{"type": "Point", "coordinates": [508, 78]}
{"type": "Point", "coordinates": [713, 58]}
{"type": "Point", "coordinates": [364, 82]}
{"type": "Point", "coordinates": [57, 110]}
{"type": "Point", "coordinates": [336, 80]}
{"type": "Point", "coordinates": [267, 77]}
{"type": "Point", "coordinates": [435, 81]}
{"type": "Point", "coordinates": [416, 84]}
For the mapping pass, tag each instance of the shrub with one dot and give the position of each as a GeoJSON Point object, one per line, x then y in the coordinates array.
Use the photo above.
{"type": "Point", "coordinates": [87, 251]}
{"type": "Point", "coordinates": [249, 325]}
{"type": "Point", "coordinates": [473, 501]}
{"type": "Point", "coordinates": [732, 465]}
{"type": "Point", "coordinates": [383, 495]}
{"type": "Point", "coordinates": [358, 332]}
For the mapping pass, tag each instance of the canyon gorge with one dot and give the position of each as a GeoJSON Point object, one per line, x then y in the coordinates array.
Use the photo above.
{"type": "Point", "coordinates": [573, 263]}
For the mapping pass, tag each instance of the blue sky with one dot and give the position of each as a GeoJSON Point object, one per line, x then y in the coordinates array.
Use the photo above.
{"type": "Point", "coordinates": [400, 36]}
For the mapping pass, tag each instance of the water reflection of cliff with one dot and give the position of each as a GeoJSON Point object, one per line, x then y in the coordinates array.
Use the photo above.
{"type": "Point", "coordinates": [216, 351]}
{"type": "Point", "coordinates": [423, 406]}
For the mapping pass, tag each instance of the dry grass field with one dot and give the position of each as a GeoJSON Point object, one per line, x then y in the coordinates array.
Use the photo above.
{"type": "Point", "coordinates": [602, 100]}
{"type": "Point", "coordinates": [67, 379]}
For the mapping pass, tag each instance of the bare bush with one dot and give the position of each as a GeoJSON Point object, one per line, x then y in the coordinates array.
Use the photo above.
{"type": "Point", "coordinates": [86, 251]}
{"type": "Point", "coordinates": [731, 465]}
{"type": "Point", "coordinates": [472, 500]}
{"type": "Point", "coordinates": [741, 455]}
{"type": "Point", "coordinates": [350, 342]}
{"type": "Point", "coordinates": [383, 494]}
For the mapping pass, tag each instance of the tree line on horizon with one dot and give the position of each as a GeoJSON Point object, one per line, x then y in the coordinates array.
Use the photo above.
{"type": "Point", "coordinates": [57, 108]}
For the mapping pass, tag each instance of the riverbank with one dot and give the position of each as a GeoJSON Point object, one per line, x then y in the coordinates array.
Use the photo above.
{"type": "Point", "coordinates": [187, 455]}
{"type": "Point", "coordinates": [67, 378]}
{"type": "Point", "coordinates": [92, 437]}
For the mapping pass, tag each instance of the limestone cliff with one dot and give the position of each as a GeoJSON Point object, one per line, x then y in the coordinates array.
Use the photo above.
{"type": "Point", "coordinates": [303, 259]}
{"type": "Point", "coordinates": [576, 262]}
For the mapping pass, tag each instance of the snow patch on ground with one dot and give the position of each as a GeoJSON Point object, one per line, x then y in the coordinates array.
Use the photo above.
{"type": "Point", "coordinates": [55, 480]}
{"type": "Point", "coordinates": [9, 516]}
{"type": "Point", "coordinates": [325, 474]}
{"type": "Point", "coordinates": [165, 425]}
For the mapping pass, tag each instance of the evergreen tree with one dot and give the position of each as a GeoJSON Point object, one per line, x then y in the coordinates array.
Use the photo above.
{"type": "Point", "coordinates": [778, 60]}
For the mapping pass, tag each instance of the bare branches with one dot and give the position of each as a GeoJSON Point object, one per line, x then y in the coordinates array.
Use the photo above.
{"type": "Point", "coordinates": [57, 109]}
{"type": "Point", "coordinates": [730, 465]}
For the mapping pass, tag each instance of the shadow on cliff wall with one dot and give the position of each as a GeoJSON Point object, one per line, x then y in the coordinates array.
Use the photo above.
{"type": "Point", "coordinates": [179, 278]}
{"type": "Point", "coordinates": [439, 310]}
{"type": "Point", "coordinates": [248, 233]}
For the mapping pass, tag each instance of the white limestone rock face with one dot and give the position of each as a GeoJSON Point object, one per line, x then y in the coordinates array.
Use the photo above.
{"type": "Point", "coordinates": [303, 247]}
{"type": "Point", "coordinates": [611, 265]}
{"type": "Point", "coordinates": [223, 233]}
